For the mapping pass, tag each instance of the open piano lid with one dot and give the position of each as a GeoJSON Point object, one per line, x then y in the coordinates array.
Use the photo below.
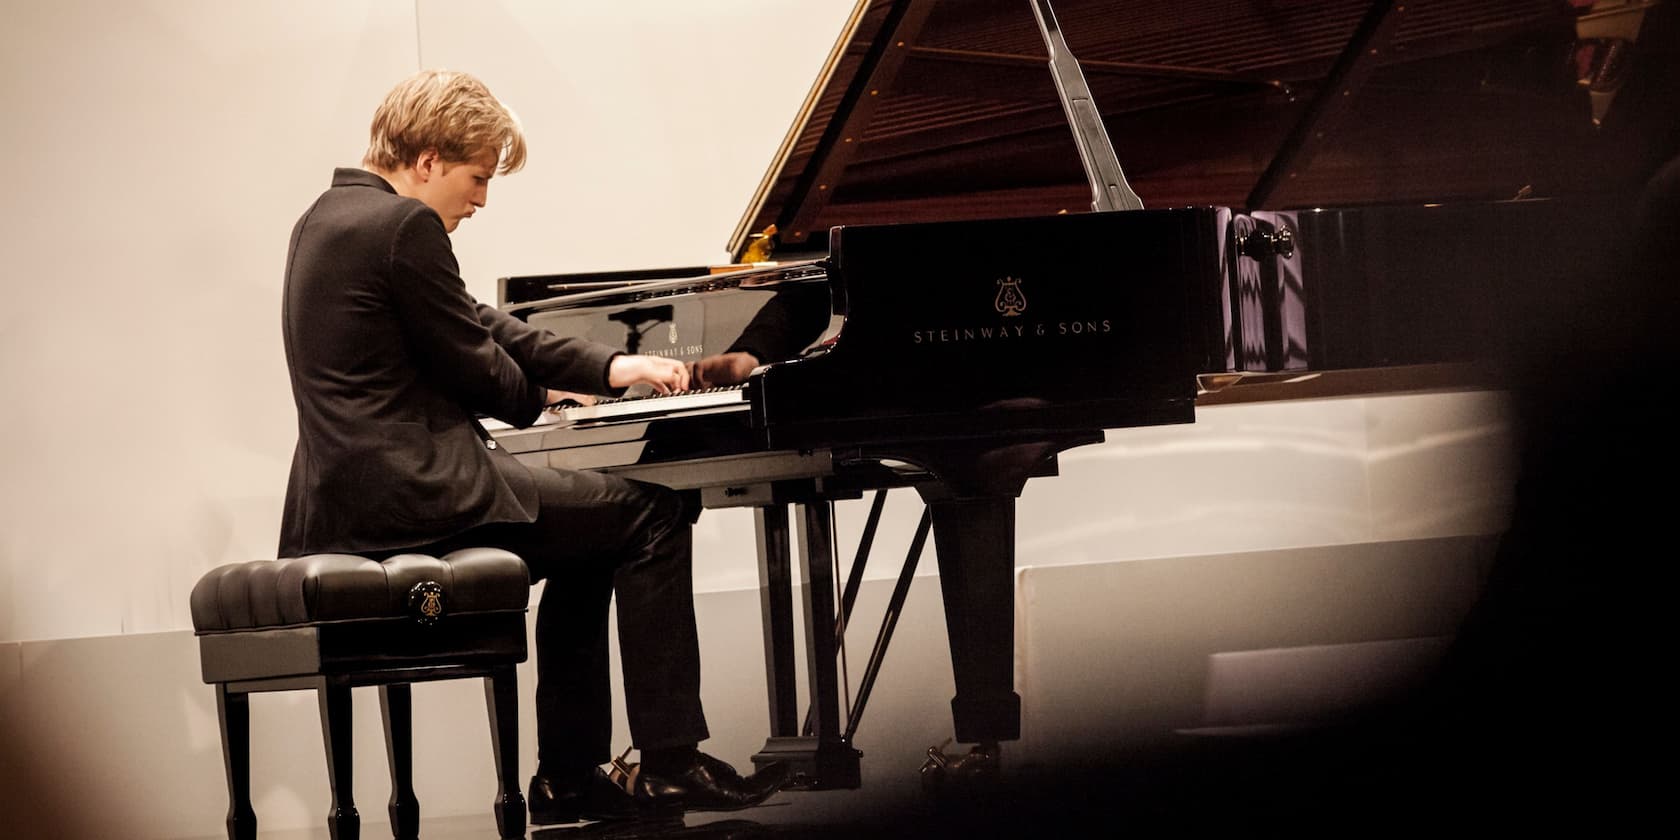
{"type": "Point", "coordinates": [938, 111]}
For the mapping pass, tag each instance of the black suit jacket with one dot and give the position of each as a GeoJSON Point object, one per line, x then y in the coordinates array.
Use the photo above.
{"type": "Point", "coordinates": [390, 360]}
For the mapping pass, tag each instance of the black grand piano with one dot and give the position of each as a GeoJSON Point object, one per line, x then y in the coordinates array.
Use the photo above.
{"type": "Point", "coordinates": [939, 286]}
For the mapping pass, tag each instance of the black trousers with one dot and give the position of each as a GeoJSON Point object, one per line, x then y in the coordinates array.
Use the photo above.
{"type": "Point", "coordinates": [596, 536]}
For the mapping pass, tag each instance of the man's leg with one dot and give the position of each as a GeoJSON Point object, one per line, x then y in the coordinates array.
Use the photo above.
{"type": "Point", "coordinates": [659, 648]}
{"type": "Point", "coordinates": [597, 535]}
{"type": "Point", "coordinates": [593, 533]}
{"type": "Point", "coordinates": [574, 699]}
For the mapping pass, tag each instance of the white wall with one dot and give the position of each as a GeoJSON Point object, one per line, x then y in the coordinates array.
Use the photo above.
{"type": "Point", "coordinates": [159, 153]}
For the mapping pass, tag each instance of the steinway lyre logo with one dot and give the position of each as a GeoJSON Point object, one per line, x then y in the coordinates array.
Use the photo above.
{"type": "Point", "coordinates": [1010, 300]}
{"type": "Point", "coordinates": [425, 602]}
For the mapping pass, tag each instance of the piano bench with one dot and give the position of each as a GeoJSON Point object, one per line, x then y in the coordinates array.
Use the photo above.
{"type": "Point", "coordinates": [331, 622]}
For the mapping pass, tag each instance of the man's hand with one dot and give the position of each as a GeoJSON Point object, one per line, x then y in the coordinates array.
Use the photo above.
{"type": "Point", "coordinates": [665, 375]}
{"type": "Point", "coordinates": [557, 397]}
{"type": "Point", "coordinates": [727, 369]}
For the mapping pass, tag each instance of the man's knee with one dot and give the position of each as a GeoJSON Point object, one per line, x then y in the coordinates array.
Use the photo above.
{"type": "Point", "coordinates": [690, 505]}
{"type": "Point", "coordinates": [645, 508]}
{"type": "Point", "coordinates": [671, 509]}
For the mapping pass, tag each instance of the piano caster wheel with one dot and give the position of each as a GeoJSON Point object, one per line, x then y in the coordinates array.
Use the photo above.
{"type": "Point", "coordinates": [975, 771]}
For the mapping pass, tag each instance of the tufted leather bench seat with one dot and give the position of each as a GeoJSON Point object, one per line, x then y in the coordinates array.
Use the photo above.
{"type": "Point", "coordinates": [331, 622]}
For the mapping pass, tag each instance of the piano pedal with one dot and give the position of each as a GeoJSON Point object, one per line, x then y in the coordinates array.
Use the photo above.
{"type": "Point", "coordinates": [936, 759]}
{"type": "Point", "coordinates": [623, 773]}
{"type": "Point", "coordinates": [944, 774]}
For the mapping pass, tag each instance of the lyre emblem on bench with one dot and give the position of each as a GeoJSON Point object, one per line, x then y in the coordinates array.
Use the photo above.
{"type": "Point", "coordinates": [425, 602]}
{"type": "Point", "coordinates": [1010, 300]}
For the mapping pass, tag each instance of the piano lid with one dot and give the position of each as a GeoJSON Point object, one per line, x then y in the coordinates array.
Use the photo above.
{"type": "Point", "coordinates": [946, 110]}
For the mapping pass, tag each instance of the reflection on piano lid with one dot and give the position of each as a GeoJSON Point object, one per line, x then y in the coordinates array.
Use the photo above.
{"type": "Point", "coordinates": [652, 286]}
{"type": "Point", "coordinates": [776, 309]}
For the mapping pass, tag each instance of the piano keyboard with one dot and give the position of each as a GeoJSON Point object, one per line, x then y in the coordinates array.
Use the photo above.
{"type": "Point", "coordinates": [728, 398]}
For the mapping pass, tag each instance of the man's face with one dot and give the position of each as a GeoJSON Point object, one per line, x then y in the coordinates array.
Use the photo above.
{"type": "Point", "coordinates": [457, 190]}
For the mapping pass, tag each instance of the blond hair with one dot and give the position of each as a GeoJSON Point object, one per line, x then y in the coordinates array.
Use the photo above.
{"type": "Point", "coordinates": [450, 112]}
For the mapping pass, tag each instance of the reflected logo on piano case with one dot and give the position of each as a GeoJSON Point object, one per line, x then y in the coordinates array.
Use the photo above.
{"type": "Point", "coordinates": [1010, 300]}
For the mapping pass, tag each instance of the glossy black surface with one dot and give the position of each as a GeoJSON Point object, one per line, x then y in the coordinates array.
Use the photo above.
{"type": "Point", "coordinates": [1005, 326]}
{"type": "Point", "coordinates": [687, 316]}
{"type": "Point", "coordinates": [1389, 286]}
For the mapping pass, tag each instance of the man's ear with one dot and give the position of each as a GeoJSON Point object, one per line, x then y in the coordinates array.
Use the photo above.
{"type": "Point", "coordinates": [427, 165]}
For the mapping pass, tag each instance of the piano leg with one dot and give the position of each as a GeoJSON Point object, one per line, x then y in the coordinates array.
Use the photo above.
{"type": "Point", "coordinates": [775, 590]}
{"type": "Point", "coordinates": [821, 760]}
{"type": "Point", "coordinates": [816, 533]}
{"type": "Point", "coordinates": [975, 539]}
{"type": "Point", "coordinates": [973, 511]}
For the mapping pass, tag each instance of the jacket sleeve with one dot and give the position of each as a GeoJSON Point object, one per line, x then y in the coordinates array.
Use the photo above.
{"type": "Point", "coordinates": [562, 363]}
{"type": "Point", "coordinates": [441, 325]}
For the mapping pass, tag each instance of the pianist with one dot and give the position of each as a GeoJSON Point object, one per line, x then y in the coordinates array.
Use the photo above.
{"type": "Point", "coordinates": [391, 360]}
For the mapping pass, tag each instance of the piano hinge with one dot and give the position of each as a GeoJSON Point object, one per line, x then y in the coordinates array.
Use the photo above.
{"type": "Point", "coordinates": [759, 246]}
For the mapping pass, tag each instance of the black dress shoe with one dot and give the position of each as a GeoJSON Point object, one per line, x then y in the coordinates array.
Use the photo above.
{"type": "Point", "coordinates": [706, 784]}
{"type": "Point", "coordinates": [589, 796]}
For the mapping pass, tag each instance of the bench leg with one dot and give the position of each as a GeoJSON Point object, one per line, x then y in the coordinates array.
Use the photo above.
{"type": "Point", "coordinates": [233, 709]}
{"type": "Point", "coordinates": [397, 708]}
{"type": "Point", "coordinates": [501, 695]}
{"type": "Point", "coordinates": [343, 823]}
